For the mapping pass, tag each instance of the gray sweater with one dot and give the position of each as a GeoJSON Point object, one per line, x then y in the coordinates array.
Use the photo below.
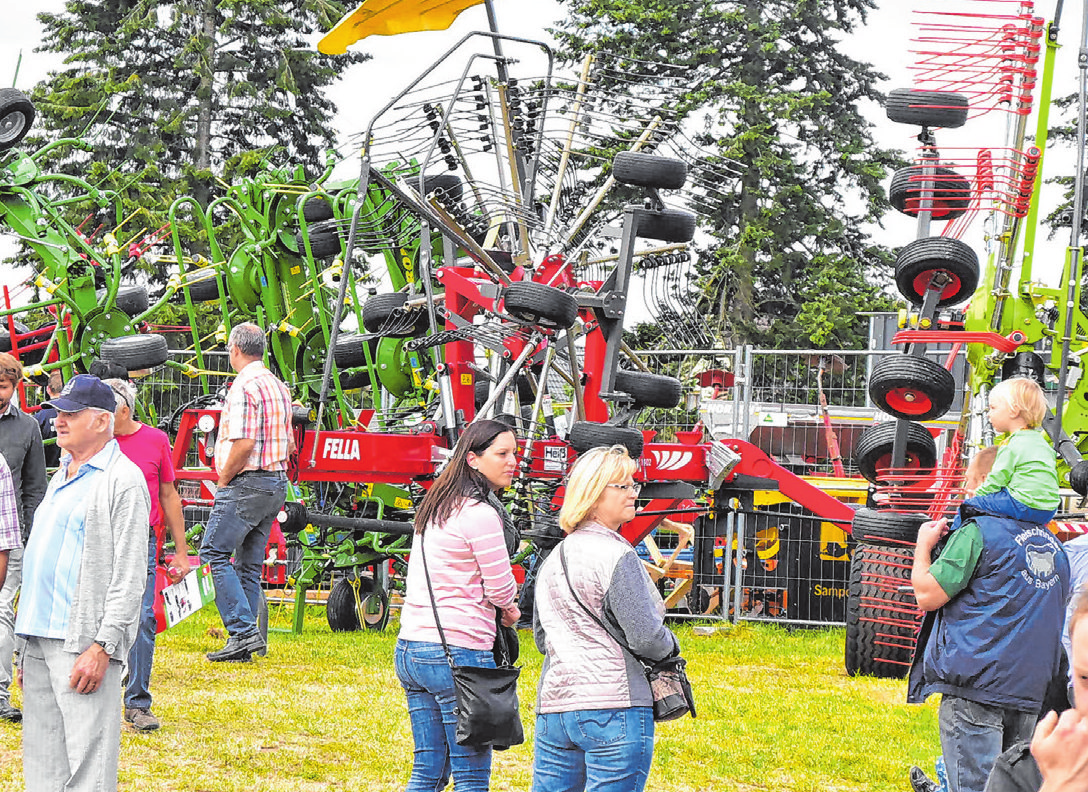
{"type": "Point", "coordinates": [584, 666]}
{"type": "Point", "coordinates": [113, 571]}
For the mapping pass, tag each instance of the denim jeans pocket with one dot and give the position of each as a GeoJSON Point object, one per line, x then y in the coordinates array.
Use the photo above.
{"type": "Point", "coordinates": [256, 501]}
{"type": "Point", "coordinates": [978, 715]}
{"type": "Point", "coordinates": [602, 727]}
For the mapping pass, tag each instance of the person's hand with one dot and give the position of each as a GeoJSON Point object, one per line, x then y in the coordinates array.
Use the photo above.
{"type": "Point", "coordinates": [510, 616]}
{"type": "Point", "coordinates": [178, 567]}
{"type": "Point", "coordinates": [1060, 748]}
{"type": "Point", "coordinates": [931, 532]}
{"type": "Point", "coordinates": [89, 670]}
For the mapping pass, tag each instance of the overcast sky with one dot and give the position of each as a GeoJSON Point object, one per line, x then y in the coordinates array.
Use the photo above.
{"type": "Point", "coordinates": [884, 42]}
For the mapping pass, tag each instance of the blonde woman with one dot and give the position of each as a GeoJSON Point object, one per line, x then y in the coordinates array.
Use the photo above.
{"type": "Point", "coordinates": [594, 724]}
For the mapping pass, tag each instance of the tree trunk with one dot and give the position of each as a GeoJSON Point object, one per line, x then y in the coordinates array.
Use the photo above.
{"type": "Point", "coordinates": [205, 100]}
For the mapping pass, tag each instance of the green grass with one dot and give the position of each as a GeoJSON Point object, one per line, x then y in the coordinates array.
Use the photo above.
{"type": "Point", "coordinates": [325, 711]}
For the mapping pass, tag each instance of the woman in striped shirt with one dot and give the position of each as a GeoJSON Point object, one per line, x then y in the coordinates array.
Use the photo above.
{"type": "Point", "coordinates": [460, 527]}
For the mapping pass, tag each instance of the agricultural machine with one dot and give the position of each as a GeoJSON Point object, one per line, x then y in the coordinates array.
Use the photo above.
{"type": "Point", "coordinates": [972, 68]}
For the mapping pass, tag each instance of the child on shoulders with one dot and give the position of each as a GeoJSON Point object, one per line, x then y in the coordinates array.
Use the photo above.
{"type": "Point", "coordinates": [1023, 482]}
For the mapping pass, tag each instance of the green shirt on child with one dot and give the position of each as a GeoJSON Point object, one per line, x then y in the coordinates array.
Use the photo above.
{"type": "Point", "coordinates": [1027, 467]}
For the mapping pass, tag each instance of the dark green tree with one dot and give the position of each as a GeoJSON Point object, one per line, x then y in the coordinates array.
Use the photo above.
{"type": "Point", "coordinates": [771, 91]}
{"type": "Point", "coordinates": [173, 96]}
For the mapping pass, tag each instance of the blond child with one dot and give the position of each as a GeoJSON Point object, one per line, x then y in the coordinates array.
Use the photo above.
{"type": "Point", "coordinates": [1023, 483]}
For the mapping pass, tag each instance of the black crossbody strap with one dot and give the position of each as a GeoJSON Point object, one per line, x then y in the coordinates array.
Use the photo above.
{"type": "Point", "coordinates": [563, 562]}
{"type": "Point", "coordinates": [434, 605]}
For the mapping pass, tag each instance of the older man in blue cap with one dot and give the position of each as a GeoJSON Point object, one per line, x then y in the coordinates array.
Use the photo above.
{"type": "Point", "coordinates": [84, 570]}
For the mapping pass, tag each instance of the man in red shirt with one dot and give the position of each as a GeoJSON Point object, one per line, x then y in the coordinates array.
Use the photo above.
{"type": "Point", "coordinates": [251, 451]}
{"type": "Point", "coordinates": [149, 448]}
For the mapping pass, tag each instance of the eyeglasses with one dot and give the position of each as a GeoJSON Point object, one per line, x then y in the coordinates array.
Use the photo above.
{"type": "Point", "coordinates": [635, 489]}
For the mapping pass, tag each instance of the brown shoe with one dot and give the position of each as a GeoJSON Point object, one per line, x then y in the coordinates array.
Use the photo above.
{"type": "Point", "coordinates": [141, 719]}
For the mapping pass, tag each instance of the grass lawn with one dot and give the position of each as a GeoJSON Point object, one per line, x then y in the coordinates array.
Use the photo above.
{"type": "Point", "coordinates": [324, 711]}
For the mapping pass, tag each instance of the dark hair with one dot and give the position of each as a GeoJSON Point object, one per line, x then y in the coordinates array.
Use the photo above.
{"type": "Point", "coordinates": [458, 480]}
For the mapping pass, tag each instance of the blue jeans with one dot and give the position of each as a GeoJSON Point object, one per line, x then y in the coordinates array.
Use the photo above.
{"type": "Point", "coordinates": [973, 735]}
{"type": "Point", "coordinates": [602, 750]}
{"type": "Point", "coordinates": [239, 525]}
{"type": "Point", "coordinates": [425, 676]}
{"type": "Point", "coordinates": [142, 654]}
{"type": "Point", "coordinates": [1003, 504]}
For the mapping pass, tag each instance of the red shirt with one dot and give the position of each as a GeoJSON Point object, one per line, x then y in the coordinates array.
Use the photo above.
{"type": "Point", "coordinates": [149, 448]}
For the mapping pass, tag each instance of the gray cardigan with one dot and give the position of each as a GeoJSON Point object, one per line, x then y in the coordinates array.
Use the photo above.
{"type": "Point", "coordinates": [113, 571]}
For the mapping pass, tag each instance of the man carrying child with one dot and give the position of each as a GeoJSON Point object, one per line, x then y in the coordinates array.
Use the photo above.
{"type": "Point", "coordinates": [995, 596]}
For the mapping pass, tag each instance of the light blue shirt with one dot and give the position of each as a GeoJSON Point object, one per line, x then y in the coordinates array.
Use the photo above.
{"type": "Point", "coordinates": [54, 553]}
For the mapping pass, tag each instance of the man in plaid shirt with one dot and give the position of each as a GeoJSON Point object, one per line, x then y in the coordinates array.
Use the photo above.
{"type": "Point", "coordinates": [251, 452]}
{"type": "Point", "coordinates": [9, 520]}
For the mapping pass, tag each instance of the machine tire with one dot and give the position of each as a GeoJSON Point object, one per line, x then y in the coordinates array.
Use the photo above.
{"type": "Point", "coordinates": [669, 225]}
{"type": "Point", "coordinates": [873, 449]}
{"type": "Point", "coordinates": [132, 300]}
{"type": "Point", "coordinates": [348, 352]}
{"type": "Point", "coordinates": [650, 390]}
{"type": "Point", "coordinates": [317, 209]}
{"type": "Point", "coordinates": [896, 529]}
{"type": "Point", "coordinates": [5, 336]}
{"type": "Point", "coordinates": [1078, 478]}
{"type": "Point", "coordinates": [927, 108]}
{"type": "Point", "coordinates": [345, 615]}
{"type": "Point", "coordinates": [204, 289]}
{"type": "Point", "coordinates": [540, 304]}
{"type": "Point", "coordinates": [135, 352]}
{"type": "Point", "coordinates": [378, 309]}
{"type": "Point", "coordinates": [324, 239]}
{"type": "Point", "coordinates": [16, 117]}
{"type": "Point", "coordinates": [919, 261]}
{"type": "Point", "coordinates": [951, 192]}
{"type": "Point", "coordinates": [649, 170]}
{"type": "Point", "coordinates": [916, 389]}
{"type": "Point", "coordinates": [585, 435]}
{"type": "Point", "coordinates": [881, 620]}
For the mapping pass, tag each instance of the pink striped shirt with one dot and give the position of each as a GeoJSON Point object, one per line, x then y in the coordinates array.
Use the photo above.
{"type": "Point", "coordinates": [470, 574]}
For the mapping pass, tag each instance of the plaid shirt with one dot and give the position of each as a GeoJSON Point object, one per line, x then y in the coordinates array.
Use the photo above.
{"type": "Point", "coordinates": [9, 512]}
{"type": "Point", "coordinates": [258, 407]}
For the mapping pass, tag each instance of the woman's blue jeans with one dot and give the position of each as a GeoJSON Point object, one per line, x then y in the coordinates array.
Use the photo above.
{"type": "Point", "coordinates": [424, 673]}
{"type": "Point", "coordinates": [602, 750]}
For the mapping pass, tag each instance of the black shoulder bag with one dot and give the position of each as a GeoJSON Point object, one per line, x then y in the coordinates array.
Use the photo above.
{"type": "Point", "coordinates": [487, 698]}
{"type": "Point", "coordinates": [668, 678]}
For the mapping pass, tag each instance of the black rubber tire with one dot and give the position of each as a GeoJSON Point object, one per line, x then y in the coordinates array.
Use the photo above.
{"type": "Point", "coordinates": [919, 261]}
{"type": "Point", "coordinates": [540, 304]}
{"type": "Point", "coordinates": [344, 615]}
{"type": "Point", "coordinates": [348, 352]}
{"type": "Point", "coordinates": [482, 389]}
{"type": "Point", "coordinates": [16, 117]}
{"type": "Point", "coordinates": [650, 390]}
{"type": "Point", "coordinates": [873, 449]}
{"type": "Point", "coordinates": [133, 300]}
{"type": "Point", "coordinates": [5, 336]}
{"type": "Point", "coordinates": [649, 170]}
{"type": "Point", "coordinates": [927, 108]}
{"type": "Point", "coordinates": [585, 435]}
{"type": "Point", "coordinates": [317, 209]}
{"type": "Point", "coordinates": [951, 192]}
{"type": "Point", "coordinates": [135, 352]}
{"type": "Point", "coordinates": [378, 309]}
{"type": "Point", "coordinates": [449, 187]}
{"type": "Point", "coordinates": [1078, 478]}
{"type": "Point", "coordinates": [205, 289]}
{"type": "Point", "coordinates": [892, 528]}
{"type": "Point", "coordinates": [916, 389]}
{"type": "Point", "coordinates": [670, 225]}
{"type": "Point", "coordinates": [881, 620]}
{"type": "Point", "coordinates": [325, 239]}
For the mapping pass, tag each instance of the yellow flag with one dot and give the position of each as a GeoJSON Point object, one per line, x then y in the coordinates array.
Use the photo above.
{"type": "Point", "coordinates": [390, 17]}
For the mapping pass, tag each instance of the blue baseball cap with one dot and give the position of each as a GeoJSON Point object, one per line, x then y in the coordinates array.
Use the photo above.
{"type": "Point", "coordinates": [83, 391]}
